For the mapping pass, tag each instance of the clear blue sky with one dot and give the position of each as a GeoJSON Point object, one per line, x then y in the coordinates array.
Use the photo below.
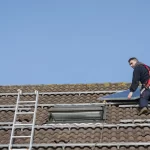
{"type": "Point", "coordinates": [72, 41]}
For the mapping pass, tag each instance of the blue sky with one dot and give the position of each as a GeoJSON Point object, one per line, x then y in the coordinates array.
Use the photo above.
{"type": "Point", "coordinates": [72, 41]}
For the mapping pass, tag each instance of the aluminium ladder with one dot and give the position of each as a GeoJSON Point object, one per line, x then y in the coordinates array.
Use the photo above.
{"type": "Point", "coordinates": [19, 125]}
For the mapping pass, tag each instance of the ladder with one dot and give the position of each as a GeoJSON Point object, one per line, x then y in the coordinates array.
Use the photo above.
{"type": "Point", "coordinates": [19, 125]}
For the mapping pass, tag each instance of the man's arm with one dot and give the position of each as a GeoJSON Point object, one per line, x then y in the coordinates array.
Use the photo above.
{"type": "Point", "coordinates": [135, 79]}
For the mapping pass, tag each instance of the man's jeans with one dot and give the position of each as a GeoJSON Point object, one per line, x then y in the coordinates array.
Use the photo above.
{"type": "Point", "coordinates": [144, 98]}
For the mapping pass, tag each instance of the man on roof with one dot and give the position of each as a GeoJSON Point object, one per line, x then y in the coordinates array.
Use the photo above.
{"type": "Point", "coordinates": [141, 74]}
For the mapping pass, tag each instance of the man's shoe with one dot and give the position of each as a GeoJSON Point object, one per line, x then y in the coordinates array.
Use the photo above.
{"type": "Point", "coordinates": [148, 112]}
{"type": "Point", "coordinates": [144, 110]}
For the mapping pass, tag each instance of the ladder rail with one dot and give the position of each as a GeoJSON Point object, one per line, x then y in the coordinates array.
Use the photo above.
{"type": "Point", "coordinates": [14, 121]}
{"type": "Point", "coordinates": [34, 119]}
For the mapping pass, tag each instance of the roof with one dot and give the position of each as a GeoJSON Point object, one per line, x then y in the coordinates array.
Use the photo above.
{"type": "Point", "coordinates": [122, 129]}
{"type": "Point", "coordinates": [65, 87]}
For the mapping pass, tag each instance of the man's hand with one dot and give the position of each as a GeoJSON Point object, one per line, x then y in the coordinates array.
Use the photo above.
{"type": "Point", "coordinates": [130, 95]}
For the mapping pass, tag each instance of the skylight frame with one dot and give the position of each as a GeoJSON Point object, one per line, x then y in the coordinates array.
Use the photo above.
{"type": "Point", "coordinates": [82, 110]}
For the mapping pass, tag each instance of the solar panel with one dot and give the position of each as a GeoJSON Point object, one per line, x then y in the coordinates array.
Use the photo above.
{"type": "Point", "coordinates": [121, 95]}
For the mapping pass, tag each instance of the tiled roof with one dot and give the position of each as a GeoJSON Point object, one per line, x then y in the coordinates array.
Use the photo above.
{"type": "Point", "coordinates": [65, 87]}
{"type": "Point", "coordinates": [81, 135]}
{"type": "Point", "coordinates": [113, 115]}
{"type": "Point", "coordinates": [118, 131]}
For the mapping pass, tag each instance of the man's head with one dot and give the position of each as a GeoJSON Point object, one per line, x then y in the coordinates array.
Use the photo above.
{"type": "Point", "coordinates": [132, 62]}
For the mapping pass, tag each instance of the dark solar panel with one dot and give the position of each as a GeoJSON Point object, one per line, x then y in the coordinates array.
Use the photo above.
{"type": "Point", "coordinates": [121, 95]}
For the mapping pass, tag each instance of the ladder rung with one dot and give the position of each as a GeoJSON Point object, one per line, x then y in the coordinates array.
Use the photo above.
{"type": "Point", "coordinates": [21, 136]}
{"type": "Point", "coordinates": [28, 105]}
{"type": "Point", "coordinates": [23, 124]}
{"type": "Point", "coordinates": [20, 113]}
{"type": "Point", "coordinates": [27, 101]}
{"type": "Point", "coordinates": [24, 108]}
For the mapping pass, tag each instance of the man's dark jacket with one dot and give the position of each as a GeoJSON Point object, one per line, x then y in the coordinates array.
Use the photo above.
{"type": "Point", "coordinates": [140, 74]}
